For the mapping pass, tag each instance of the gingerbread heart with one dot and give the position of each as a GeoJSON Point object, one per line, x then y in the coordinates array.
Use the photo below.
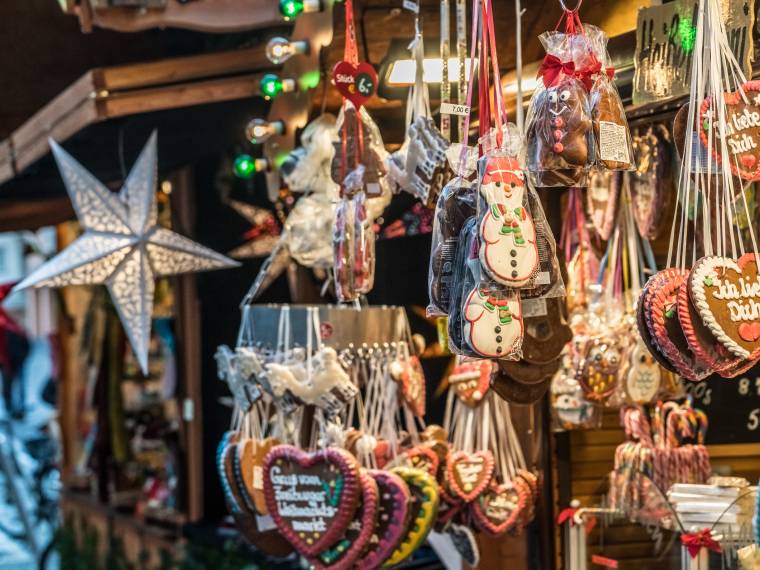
{"type": "Point", "coordinates": [665, 327]}
{"type": "Point", "coordinates": [344, 554]}
{"type": "Point", "coordinates": [422, 457]}
{"type": "Point", "coordinates": [270, 541]}
{"type": "Point", "coordinates": [221, 467]}
{"type": "Point", "coordinates": [424, 508]}
{"type": "Point", "coordinates": [312, 497]}
{"type": "Point", "coordinates": [651, 183]}
{"type": "Point", "coordinates": [251, 455]}
{"type": "Point", "coordinates": [448, 508]}
{"type": "Point", "coordinates": [726, 294]}
{"type": "Point", "coordinates": [601, 200]}
{"type": "Point", "coordinates": [471, 379]}
{"type": "Point", "coordinates": [357, 83]}
{"type": "Point", "coordinates": [407, 371]}
{"type": "Point", "coordinates": [498, 508]}
{"type": "Point", "coordinates": [469, 474]}
{"type": "Point", "coordinates": [466, 544]}
{"type": "Point", "coordinates": [392, 519]}
{"type": "Point", "coordinates": [641, 324]}
{"type": "Point", "coordinates": [741, 131]}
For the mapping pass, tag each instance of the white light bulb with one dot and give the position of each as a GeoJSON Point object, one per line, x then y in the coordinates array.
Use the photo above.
{"type": "Point", "coordinates": [279, 50]}
{"type": "Point", "coordinates": [259, 130]}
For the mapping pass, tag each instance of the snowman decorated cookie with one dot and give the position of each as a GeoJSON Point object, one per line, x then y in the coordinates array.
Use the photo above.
{"type": "Point", "coordinates": [493, 323]}
{"type": "Point", "coordinates": [508, 249]}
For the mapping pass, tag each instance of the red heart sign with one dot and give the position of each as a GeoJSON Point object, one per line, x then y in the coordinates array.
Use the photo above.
{"type": "Point", "coordinates": [357, 83]}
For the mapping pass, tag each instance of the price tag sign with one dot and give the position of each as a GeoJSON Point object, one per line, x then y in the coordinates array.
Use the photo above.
{"type": "Point", "coordinates": [454, 109]}
{"type": "Point", "coordinates": [357, 83]}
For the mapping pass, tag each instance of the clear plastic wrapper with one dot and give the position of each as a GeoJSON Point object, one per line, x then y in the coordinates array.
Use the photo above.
{"type": "Point", "coordinates": [311, 172]}
{"type": "Point", "coordinates": [309, 230]}
{"type": "Point", "coordinates": [570, 408]}
{"type": "Point", "coordinates": [456, 204]}
{"type": "Point", "coordinates": [560, 145]}
{"type": "Point", "coordinates": [612, 137]}
{"type": "Point", "coordinates": [464, 244]}
{"type": "Point", "coordinates": [353, 249]}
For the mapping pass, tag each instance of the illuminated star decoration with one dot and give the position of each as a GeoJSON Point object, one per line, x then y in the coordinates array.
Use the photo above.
{"type": "Point", "coordinates": [263, 235]}
{"type": "Point", "coordinates": [122, 246]}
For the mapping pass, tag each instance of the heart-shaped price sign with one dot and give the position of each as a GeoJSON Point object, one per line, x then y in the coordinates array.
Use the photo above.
{"type": "Point", "coordinates": [312, 497]}
{"type": "Point", "coordinates": [392, 519]}
{"type": "Point", "coordinates": [742, 130]}
{"type": "Point", "coordinates": [344, 554]}
{"type": "Point", "coordinates": [357, 83]}
{"type": "Point", "coordinates": [726, 294]}
{"type": "Point", "coordinates": [469, 474]}
{"type": "Point", "coordinates": [498, 509]}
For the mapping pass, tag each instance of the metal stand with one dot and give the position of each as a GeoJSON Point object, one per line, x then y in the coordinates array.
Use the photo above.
{"type": "Point", "coordinates": [701, 562]}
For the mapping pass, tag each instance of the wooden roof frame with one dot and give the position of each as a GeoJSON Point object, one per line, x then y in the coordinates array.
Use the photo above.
{"type": "Point", "coordinates": [112, 92]}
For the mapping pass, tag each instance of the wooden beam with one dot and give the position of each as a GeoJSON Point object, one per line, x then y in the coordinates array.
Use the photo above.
{"type": "Point", "coordinates": [213, 16]}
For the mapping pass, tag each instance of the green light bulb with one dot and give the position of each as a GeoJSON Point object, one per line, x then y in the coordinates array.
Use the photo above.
{"type": "Point", "coordinates": [291, 8]}
{"type": "Point", "coordinates": [687, 35]}
{"type": "Point", "coordinates": [270, 85]}
{"type": "Point", "coordinates": [244, 166]}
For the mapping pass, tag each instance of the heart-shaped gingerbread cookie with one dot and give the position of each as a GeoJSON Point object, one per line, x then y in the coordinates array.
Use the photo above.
{"type": "Point", "coordinates": [422, 457]}
{"type": "Point", "coordinates": [601, 200]}
{"type": "Point", "coordinates": [498, 508]}
{"type": "Point", "coordinates": [726, 294]}
{"type": "Point", "coordinates": [344, 554]}
{"type": "Point", "coordinates": [469, 474]}
{"type": "Point", "coordinates": [471, 379]}
{"type": "Point", "coordinates": [312, 497]}
{"type": "Point", "coordinates": [741, 131]}
{"type": "Point", "coordinates": [424, 508]}
{"type": "Point", "coordinates": [466, 544]}
{"type": "Point", "coordinates": [392, 519]}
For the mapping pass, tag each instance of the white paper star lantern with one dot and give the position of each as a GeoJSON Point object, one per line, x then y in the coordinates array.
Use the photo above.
{"type": "Point", "coordinates": [122, 246]}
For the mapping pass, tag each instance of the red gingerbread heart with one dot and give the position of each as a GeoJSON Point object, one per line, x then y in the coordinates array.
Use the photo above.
{"type": "Point", "coordinates": [469, 474]}
{"type": "Point", "coordinates": [312, 497]}
{"type": "Point", "coordinates": [422, 457]}
{"type": "Point", "coordinates": [355, 83]}
{"type": "Point", "coordinates": [392, 519]}
{"type": "Point", "coordinates": [726, 294]}
{"type": "Point", "coordinates": [741, 132]}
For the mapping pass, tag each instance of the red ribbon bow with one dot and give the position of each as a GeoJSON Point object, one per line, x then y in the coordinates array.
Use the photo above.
{"type": "Point", "coordinates": [552, 67]}
{"type": "Point", "coordinates": [696, 541]}
{"type": "Point", "coordinates": [568, 514]}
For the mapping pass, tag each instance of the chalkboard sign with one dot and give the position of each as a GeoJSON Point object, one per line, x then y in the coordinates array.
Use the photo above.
{"type": "Point", "coordinates": [732, 405]}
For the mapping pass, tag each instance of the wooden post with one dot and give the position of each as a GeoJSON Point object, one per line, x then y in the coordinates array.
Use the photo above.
{"type": "Point", "coordinates": [188, 327]}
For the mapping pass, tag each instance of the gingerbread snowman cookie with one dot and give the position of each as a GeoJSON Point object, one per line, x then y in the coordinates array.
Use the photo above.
{"type": "Point", "coordinates": [507, 235]}
{"type": "Point", "coordinates": [493, 325]}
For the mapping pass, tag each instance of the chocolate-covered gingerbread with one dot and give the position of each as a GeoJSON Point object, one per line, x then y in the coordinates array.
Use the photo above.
{"type": "Point", "coordinates": [558, 134]}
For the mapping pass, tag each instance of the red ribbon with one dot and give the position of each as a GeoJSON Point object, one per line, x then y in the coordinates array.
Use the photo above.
{"type": "Point", "coordinates": [568, 514]}
{"type": "Point", "coordinates": [696, 541]}
{"type": "Point", "coordinates": [552, 67]}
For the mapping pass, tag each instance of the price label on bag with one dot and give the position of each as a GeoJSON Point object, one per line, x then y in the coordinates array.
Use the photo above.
{"type": "Point", "coordinates": [454, 109]}
{"type": "Point", "coordinates": [411, 5]}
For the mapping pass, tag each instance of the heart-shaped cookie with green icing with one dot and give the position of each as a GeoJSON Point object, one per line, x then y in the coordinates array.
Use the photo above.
{"type": "Point", "coordinates": [741, 131]}
{"type": "Point", "coordinates": [424, 506]}
{"type": "Point", "coordinates": [469, 474]}
{"type": "Point", "coordinates": [726, 294]}
{"type": "Point", "coordinates": [311, 496]}
{"type": "Point", "coordinates": [394, 511]}
{"type": "Point", "coordinates": [346, 552]}
{"type": "Point", "coordinates": [498, 508]}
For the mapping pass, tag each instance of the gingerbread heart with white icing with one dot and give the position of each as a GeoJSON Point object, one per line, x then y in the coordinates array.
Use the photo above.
{"type": "Point", "coordinates": [741, 131]}
{"type": "Point", "coordinates": [469, 474]}
{"type": "Point", "coordinates": [601, 201]}
{"type": "Point", "coordinates": [471, 379]}
{"type": "Point", "coordinates": [392, 519]}
{"type": "Point", "coordinates": [424, 507]}
{"type": "Point", "coordinates": [344, 554]}
{"type": "Point", "coordinates": [466, 543]}
{"type": "Point", "coordinates": [312, 497]}
{"type": "Point", "coordinates": [498, 508]}
{"type": "Point", "coordinates": [407, 371]}
{"type": "Point", "coordinates": [726, 294]}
